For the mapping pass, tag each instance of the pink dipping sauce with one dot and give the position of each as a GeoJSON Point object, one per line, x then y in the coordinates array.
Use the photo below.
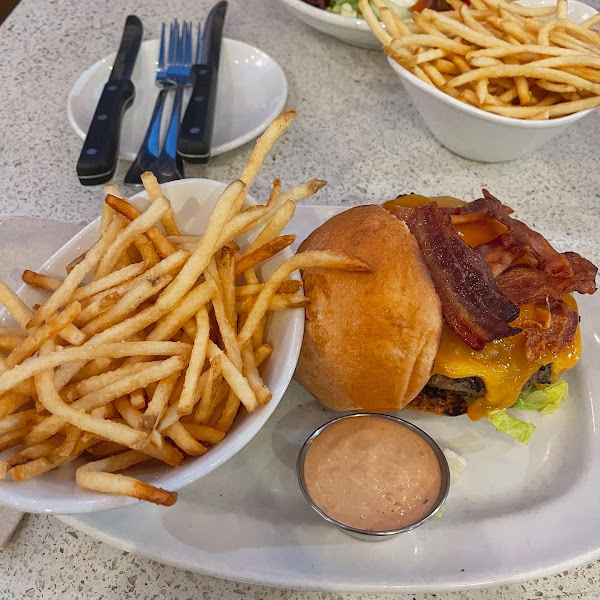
{"type": "Point", "coordinates": [372, 474]}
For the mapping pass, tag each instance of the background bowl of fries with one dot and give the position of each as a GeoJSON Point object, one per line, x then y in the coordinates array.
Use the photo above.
{"type": "Point", "coordinates": [56, 491]}
{"type": "Point", "coordinates": [494, 80]}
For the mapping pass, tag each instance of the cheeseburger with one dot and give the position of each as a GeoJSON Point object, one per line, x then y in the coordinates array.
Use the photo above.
{"type": "Point", "coordinates": [466, 310]}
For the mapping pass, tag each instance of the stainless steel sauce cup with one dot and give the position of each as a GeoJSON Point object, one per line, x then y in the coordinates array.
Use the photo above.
{"type": "Point", "coordinates": [364, 534]}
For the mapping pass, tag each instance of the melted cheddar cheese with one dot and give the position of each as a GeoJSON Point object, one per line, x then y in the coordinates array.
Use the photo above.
{"type": "Point", "coordinates": [502, 364]}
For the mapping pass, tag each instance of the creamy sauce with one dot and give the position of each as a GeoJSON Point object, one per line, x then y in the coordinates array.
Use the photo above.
{"type": "Point", "coordinates": [372, 474]}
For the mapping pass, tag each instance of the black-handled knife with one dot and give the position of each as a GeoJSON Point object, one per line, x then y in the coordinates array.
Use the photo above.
{"type": "Point", "coordinates": [98, 159]}
{"type": "Point", "coordinates": [195, 132]}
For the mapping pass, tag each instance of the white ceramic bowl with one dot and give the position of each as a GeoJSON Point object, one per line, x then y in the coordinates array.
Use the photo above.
{"type": "Point", "coordinates": [479, 135]}
{"type": "Point", "coordinates": [56, 492]}
{"type": "Point", "coordinates": [350, 30]}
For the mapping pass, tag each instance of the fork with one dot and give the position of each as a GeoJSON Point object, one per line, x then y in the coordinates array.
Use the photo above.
{"type": "Point", "coordinates": [172, 73]}
{"type": "Point", "coordinates": [149, 151]}
{"type": "Point", "coordinates": [179, 65]}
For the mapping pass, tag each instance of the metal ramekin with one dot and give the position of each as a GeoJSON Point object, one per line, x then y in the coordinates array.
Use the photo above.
{"type": "Point", "coordinates": [363, 534]}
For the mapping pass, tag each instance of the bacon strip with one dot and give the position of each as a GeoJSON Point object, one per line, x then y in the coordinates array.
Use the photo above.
{"type": "Point", "coordinates": [472, 304]}
{"type": "Point", "coordinates": [552, 337]}
{"type": "Point", "coordinates": [548, 258]}
{"type": "Point", "coordinates": [502, 252]}
{"type": "Point", "coordinates": [524, 284]}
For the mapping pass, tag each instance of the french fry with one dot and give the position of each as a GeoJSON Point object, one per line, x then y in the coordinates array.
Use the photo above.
{"type": "Point", "coordinates": [209, 390]}
{"type": "Point", "coordinates": [11, 402]}
{"type": "Point", "coordinates": [207, 246]}
{"type": "Point", "coordinates": [96, 382]}
{"type": "Point", "coordinates": [133, 417]}
{"type": "Point", "coordinates": [39, 336]}
{"type": "Point", "coordinates": [154, 192]}
{"type": "Point", "coordinates": [34, 452]}
{"type": "Point", "coordinates": [249, 261]}
{"type": "Point", "coordinates": [145, 249]}
{"type": "Point", "coordinates": [192, 375]}
{"type": "Point", "coordinates": [115, 350]}
{"type": "Point", "coordinates": [73, 436]}
{"type": "Point", "coordinates": [109, 430]}
{"type": "Point", "coordinates": [227, 277]}
{"type": "Point", "coordinates": [290, 286]}
{"type": "Point", "coordinates": [313, 258]}
{"type": "Point", "coordinates": [138, 226]}
{"type": "Point", "coordinates": [226, 329]}
{"type": "Point", "coordinates": [18, 420]}
{"type": "Point", "coordinates": [276, 302]}
{"type": "Point", "coordinates": [130, 212]}
{"type": "Point", "coordinates": [432, 41]}
{"type": "Point", "coordinates": [13, 438]}
{"type": "Point", "coordinates": [202, 433]}
{"type": "Point", "coordinates": [109, 393]}
{"type": "Point", "coordinates": [262, 353]}
{"type": "Point", "coordinates": [138, 398]}
{"type": "Point", "coordinates": [367, 12]}
{"type": "Point", "coordinates": [524, 71]}
{"type": "Point", "coordinates": [48, 462]}
{"type": "Point", "coordinates": [61, 296]}
{"type": "Point", "coordinates": [127, 304]}
{"type": "Point", "coordinates": [41, 281]}
{"type": "Point", "coordinates": [182, 437]}
{"type": "Point", "coordinates": [99, 476]}
{"type": "Point", "coordinates": [159, 402]}
{"type": "Point", "coordinates": [238, 383]}
{"type": "Point", "coordinates": [262, 147]}
{"type": "Point", "coordinates": [250, 372]}
{"type": "Point", "coordinates": [105, 449]}
{"type": "Point", "coordinates": [9, 342]}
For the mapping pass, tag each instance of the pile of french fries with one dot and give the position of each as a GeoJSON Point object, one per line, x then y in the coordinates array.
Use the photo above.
{"type": "Point", "coordinates": [507, 59]}
{"type": "Point", "coordinates": [151, 345]}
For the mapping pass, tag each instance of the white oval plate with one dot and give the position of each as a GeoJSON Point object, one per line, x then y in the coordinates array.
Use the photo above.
{"type": "Point", "coordinates": [56, 491]}
{"type": "Point", "coordinates": [251, 92]}
{"type": "Point", "coordinates": [518, 511]}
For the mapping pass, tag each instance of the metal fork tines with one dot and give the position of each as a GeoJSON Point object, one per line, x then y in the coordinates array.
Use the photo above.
{"type": "Point", "coordinates": [174, 72]}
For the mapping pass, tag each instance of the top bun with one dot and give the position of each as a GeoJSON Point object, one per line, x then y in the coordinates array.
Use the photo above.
{"type": "Point", "coordinates": [370, 339]}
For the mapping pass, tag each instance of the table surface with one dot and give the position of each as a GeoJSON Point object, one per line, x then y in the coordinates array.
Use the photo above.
{"type": "Point", "coordinates": [356, 128]}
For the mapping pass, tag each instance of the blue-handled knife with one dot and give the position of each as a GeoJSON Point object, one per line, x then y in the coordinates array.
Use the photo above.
{"type": "Point", "coordinates": [195, 132]}
{"type": "Point", "coordinates": [98, 159]}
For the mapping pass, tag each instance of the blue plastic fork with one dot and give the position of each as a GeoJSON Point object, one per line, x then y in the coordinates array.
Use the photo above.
{"type": "Point", "coordinates": [174, 72]}
{"type": "Point", "coordinates": [147, 157]}
{"type": "Point", "coordinates": [179, 64]}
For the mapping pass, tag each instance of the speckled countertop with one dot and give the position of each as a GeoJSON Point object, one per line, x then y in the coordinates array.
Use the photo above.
{"type": "Point", "coordinates": [356, 129]}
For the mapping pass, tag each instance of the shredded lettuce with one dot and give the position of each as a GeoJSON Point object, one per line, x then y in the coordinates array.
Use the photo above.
{"type": "Point", "coordinates": [456, 463]}
{"type": "Point", "coordinates": [349, 8]}
{"type": "Point", "coordinates": [546, 399]}
{"type": "Point", "coordinates": [515, 428]}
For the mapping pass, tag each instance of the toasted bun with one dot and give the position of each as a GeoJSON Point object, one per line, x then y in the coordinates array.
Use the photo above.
{"type": "Point", "coordinates": [370, 339]}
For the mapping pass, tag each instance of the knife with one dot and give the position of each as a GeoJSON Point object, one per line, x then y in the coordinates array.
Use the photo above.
{"type": "Point", "coordinates": [195, 132]}
{"type": "Point", "coordinates": [98, 159]}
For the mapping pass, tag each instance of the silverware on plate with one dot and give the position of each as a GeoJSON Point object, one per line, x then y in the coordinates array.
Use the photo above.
{"type": "Point", "coordinates": [98, 159]}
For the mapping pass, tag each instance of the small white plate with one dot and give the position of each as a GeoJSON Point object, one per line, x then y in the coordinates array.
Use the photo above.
{"type": "Point", "coordinates": [518, 512]}
{"type": "Point", "coordinates": [251, 92]}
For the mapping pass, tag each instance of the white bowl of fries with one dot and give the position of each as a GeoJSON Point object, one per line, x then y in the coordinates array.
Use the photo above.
{"type": "Point", "coordinates": [145, 358]}
{"type": "Point", "coordinates": [496, 80]}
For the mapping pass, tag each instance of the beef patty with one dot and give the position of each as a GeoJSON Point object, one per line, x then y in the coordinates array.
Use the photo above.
{"type": "Point", "coordinates": [447, 396]}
